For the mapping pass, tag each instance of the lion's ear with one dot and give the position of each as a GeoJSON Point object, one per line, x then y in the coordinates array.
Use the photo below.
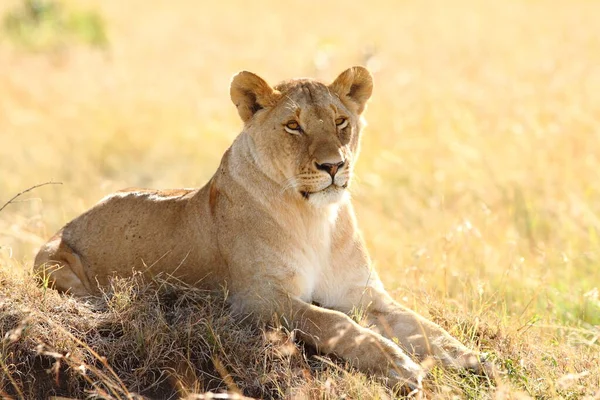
{"type": "Point", "coordinates": [250, 93]}
{"type": "Point", "coordinates": [354, 84]}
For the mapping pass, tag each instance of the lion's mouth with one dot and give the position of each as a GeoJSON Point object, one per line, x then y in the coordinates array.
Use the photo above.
{"type": "Point", "coordinates": [306, 194]}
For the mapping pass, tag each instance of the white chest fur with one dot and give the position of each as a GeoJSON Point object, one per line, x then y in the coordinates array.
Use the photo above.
{"type": "Point", "coordinates": [314, 269]}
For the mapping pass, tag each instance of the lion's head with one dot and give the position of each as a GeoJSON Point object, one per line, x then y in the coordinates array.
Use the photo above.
{"type": "Point", "coordinates": [305, 134]}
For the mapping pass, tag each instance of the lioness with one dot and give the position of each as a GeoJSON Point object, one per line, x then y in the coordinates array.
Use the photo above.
{"type": "Point", "coordinates": [274, 224]}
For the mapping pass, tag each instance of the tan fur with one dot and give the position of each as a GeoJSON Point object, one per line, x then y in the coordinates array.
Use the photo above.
{"type": "Point", "coordinates": [273, 225]}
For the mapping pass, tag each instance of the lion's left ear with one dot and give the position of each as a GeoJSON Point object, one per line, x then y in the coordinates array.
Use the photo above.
{"type": "Point", "coordinates": [250, 93]}
{"type": "Point", "coordinates": [354, 84]}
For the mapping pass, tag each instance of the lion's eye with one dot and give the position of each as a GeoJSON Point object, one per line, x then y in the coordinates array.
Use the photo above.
{"type": "Point", "coordinates": [341, 122]}
{"type": "Point", "coordinates": [293, 127]}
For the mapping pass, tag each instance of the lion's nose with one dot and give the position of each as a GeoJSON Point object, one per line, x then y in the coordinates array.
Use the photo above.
{"type": "Point", "coordinates": [331, 169]}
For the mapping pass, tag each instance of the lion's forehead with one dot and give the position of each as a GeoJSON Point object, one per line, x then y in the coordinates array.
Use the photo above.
{"type": "Point", "coordinates": [300, 84]}
{"type": "Point", "coordinates": [301, 93]}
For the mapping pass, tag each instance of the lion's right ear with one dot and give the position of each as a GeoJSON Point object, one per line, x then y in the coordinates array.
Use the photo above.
{"type": "Point", "coordinates": [250, 93]}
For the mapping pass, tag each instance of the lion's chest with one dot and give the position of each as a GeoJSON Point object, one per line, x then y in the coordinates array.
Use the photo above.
{"type": "Point", "coordinates": [311, 263]}
{"type": "Point", "coordinates": [314, 278]}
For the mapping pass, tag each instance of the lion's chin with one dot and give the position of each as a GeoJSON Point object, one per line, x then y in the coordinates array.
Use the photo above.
{"type": "Point", "coordinates": [330, 195]}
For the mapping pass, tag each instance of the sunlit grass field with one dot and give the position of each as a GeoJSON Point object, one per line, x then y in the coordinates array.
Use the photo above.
{"type": "Point", "coordinates": [478, 185]}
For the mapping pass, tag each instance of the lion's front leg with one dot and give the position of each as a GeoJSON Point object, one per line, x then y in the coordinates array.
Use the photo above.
{"type": "Point", "coordinates": [416, 335]}
{"type": "Point", "coordinates": [333, 332]}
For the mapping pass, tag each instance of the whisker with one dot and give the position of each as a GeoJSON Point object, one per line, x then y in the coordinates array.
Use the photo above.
{"type": "Point", "coordinates": [293, 106]}
{"type": "Point", "coordinates": [289, 183]}
{"type": "Point", "coordinates": [293, 182]}
{"type": "Point", "coordinates": [308, 179]}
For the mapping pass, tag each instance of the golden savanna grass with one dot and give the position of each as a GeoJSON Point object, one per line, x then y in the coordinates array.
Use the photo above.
{"type": "Point", "coordinates": [477, 190]}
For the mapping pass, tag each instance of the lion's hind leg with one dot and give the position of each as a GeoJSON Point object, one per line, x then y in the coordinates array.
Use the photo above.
{"type": "Point", "coordinates": [59, 267]}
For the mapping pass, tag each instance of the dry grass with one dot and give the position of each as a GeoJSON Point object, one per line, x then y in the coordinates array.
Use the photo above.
{"type": "Point", "coordinates": [477, 187]}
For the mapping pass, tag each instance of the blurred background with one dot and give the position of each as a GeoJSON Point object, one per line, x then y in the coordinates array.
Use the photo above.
{"type": "Point", "coordinates": [479, 179]}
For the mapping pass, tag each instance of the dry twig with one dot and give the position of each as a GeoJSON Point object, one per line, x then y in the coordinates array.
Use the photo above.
{"type": "Point", "coordinates": [27, 190]}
